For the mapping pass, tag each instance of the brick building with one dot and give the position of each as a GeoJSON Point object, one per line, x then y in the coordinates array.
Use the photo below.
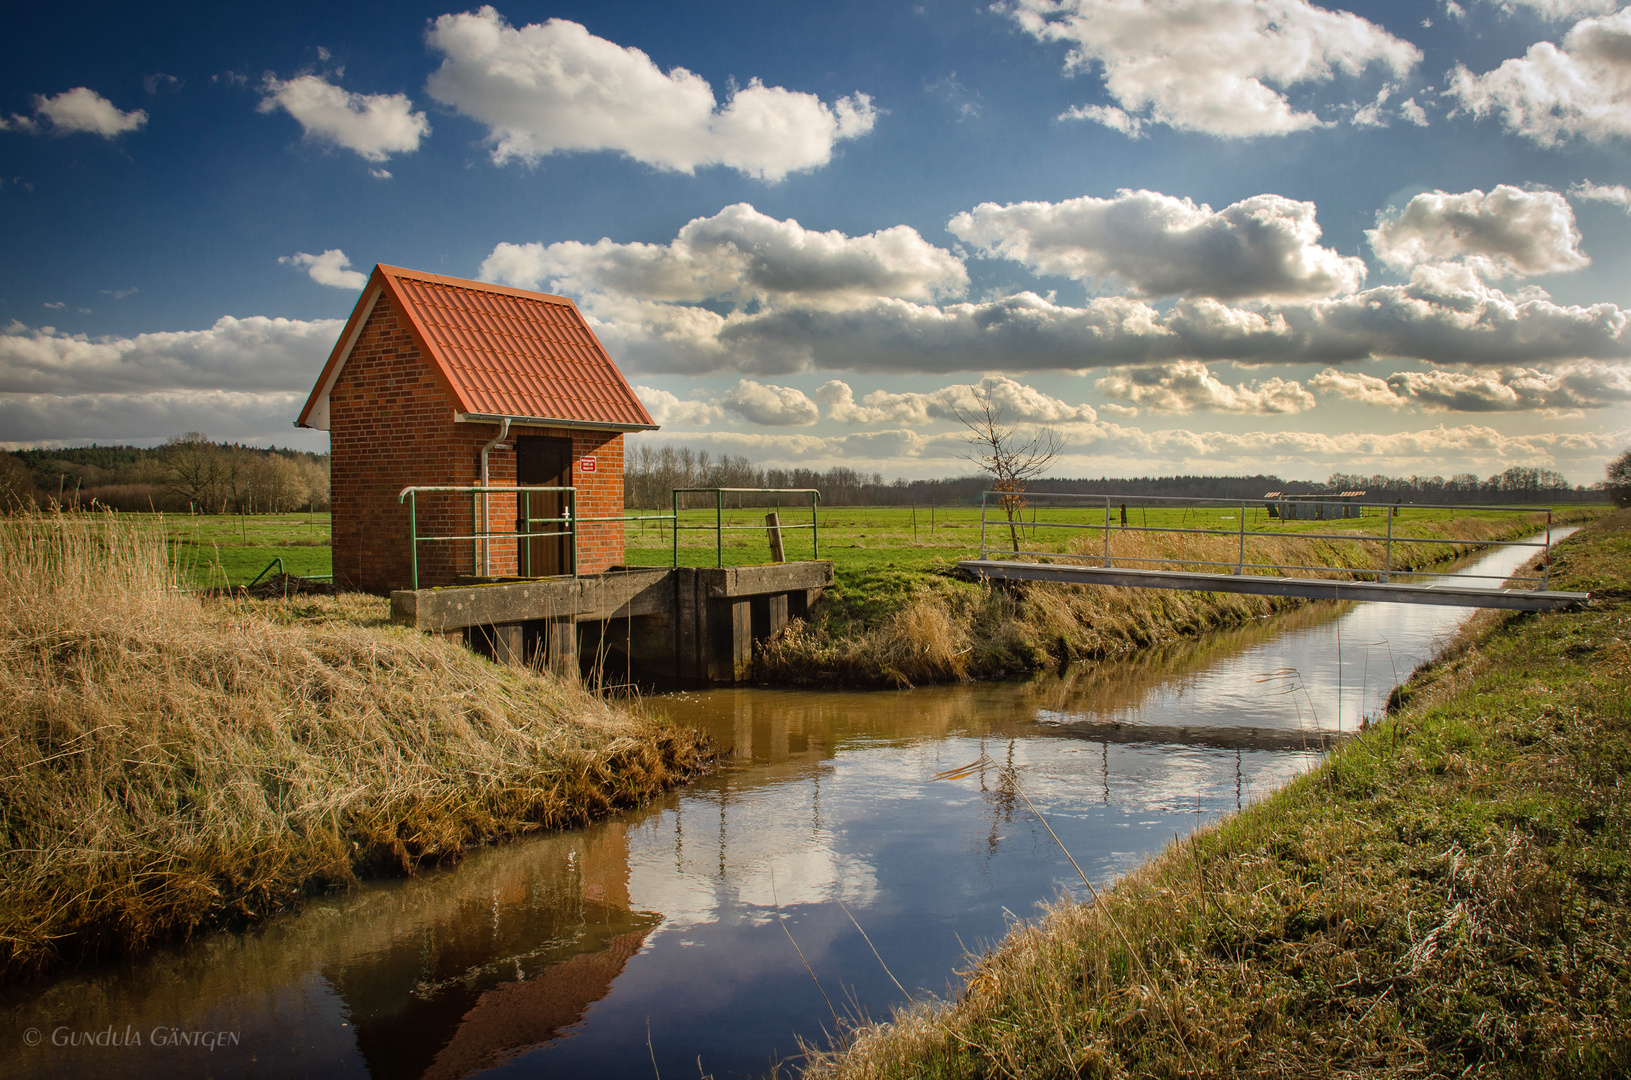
{"type": "Point", "coordinates": [432, 374]}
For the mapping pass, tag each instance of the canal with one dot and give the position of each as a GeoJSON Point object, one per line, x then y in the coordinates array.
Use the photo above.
{"type": "Point", "coordinates": [688, 938]}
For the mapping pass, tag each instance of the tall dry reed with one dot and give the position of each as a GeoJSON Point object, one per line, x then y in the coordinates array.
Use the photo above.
{"type": "Point", "coordinates": [169, 763]}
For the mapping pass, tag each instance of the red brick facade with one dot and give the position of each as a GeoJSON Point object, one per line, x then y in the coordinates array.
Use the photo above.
{"type": "Point", "coordinates": [391, 425]}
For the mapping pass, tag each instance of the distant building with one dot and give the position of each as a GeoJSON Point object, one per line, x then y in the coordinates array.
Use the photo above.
{"type": "Point", "coordinates": [1321, 506]}
{"type": "Point", "coordinates": [433, 374]}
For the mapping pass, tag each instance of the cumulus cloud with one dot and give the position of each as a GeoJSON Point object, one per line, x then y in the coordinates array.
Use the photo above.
{"type": "Point", "coordinates": [770, 406]}
{"type": "Point", "coordinates": [1015, 401]}
{"type": "Point", "coordinates": [78, 110]}
{"type": "Point", "coordinates": [666, 409]}
{"type": "Point", "coordinates": [1216, 66]}
{"type": "Point", "coordinates": [1189, 386]}
{"type": "Point", "coordinates": [556, 88]}
{"type": "Point", "coordinates": [329, 268]}
{"type": "Point", "coordinates": [249, 354]}
{"type": "Point", "coordinates": [248, 376]}
{"type": "Point", "coordinates": [1507, 233]}
{"type": "Point", "coordinates": [1551, 94]}
{"type": "Point", "coordinates": [1563, 388]}
{"type": "Point", "coordinates": [1618, 194]}
{"type": "Point", "coordinates": [375, 126]}
{"type": "Point", "coordinates": [1559, 9]}
{"type": "Point", "coordinates": [741, 255]}
{"type": "Point", "coordinates": [1158, 245]}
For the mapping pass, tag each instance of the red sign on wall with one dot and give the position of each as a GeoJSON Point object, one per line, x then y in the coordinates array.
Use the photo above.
{"type": "Point", "coordinates": [586, 464]}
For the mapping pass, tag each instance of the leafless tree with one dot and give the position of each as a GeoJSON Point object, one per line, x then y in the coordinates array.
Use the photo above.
{"type": "Point", "coordinates": [1619, 479]}
{"type": "Point", "coordinates": [1012, 459]}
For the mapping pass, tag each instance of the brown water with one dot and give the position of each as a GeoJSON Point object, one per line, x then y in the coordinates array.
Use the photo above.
{"type": "Point", "coordinates": [655, 943]}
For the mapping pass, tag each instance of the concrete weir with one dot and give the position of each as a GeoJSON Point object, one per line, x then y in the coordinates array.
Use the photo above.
{"type": "Point", "coordinates": [693, 625]}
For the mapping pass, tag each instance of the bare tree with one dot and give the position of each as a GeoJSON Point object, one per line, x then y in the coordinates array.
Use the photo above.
{"type": "Point", "coordinates": [1619, 479]}
{"type": "Point", "coordinates": [1012, 460]}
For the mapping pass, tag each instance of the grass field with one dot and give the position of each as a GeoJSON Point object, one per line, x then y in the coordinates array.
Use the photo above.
{"type": "Point", "coordinates": [229, 549]}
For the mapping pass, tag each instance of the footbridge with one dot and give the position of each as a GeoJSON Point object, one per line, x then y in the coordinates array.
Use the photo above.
{"type": "Point", "coordinates": [1262, 547]}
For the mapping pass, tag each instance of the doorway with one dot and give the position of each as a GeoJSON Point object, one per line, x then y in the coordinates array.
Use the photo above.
{"type": "Point", "coordinates": [545, 460]}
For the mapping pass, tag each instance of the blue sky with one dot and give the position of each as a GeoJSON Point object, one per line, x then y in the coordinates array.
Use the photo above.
{"type": "Point", "coordinates": [1189, 235]}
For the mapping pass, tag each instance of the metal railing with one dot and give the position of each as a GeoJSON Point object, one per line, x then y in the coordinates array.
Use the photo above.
{"type": "Point", "coordinates": [1007, 502]}
{"type": "Point", "coordinates": [720, 528]}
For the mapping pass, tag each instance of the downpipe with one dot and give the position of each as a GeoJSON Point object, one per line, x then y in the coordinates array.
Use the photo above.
{"type": "Point", "coordinates": [486, 529]}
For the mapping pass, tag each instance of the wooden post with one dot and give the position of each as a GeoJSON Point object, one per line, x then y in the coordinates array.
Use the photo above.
{"type": "Point", "coordinates": [773, 526]}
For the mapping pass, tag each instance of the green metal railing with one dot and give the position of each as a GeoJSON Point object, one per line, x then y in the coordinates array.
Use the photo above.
{"type": "Point", "coordinates": [569, 523]}
{"type": "Point", "coordinates": [720, 528]}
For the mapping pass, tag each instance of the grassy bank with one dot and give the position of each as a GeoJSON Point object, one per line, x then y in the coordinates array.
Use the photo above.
{"type": "Point", "coordinates": [1447, 895]}
{"type": "Point", "coordinates": [905, 625]}
{"type": "Point", "coordinates": [169, 763]}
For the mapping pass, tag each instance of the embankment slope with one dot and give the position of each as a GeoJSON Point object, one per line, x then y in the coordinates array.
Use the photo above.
{"type": "Point", "coordinates": [1449, 894]}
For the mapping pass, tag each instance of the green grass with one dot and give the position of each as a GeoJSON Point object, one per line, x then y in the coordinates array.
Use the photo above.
{"type": "Point", "coordinates": [230, 549]}
{"type": "Point", "coordinates": [1447, 895]}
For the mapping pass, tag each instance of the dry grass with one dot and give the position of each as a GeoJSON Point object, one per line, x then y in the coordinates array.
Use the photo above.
{"type": "Point", "coordinates": [1448, 895]}
{"type": "Point", "coordinates": [169, 763]}
{"type": "Point", "coordinates": [943, 630]}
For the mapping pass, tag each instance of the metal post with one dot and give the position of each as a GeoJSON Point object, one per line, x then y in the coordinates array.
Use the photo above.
{"type": "Point", "coordinates": [526, 529]}
{"type": "Point", "coordinates": [719, 527]}
{"type": "Point", "coordinates": [983, 494]}
{"type": "Point", "coordinates": [1240, 567]}
{"type": "Point", "coordinates": [1387, 567]}
{"type": "Point", "coordinates": [1546, 560]}
{"type": "Point", "coordinates": [413, 538]}
{"type": "Point", "coordinates": [572, 524]}
{"type": "Point", "coordinates": [1107, 532]}
{"type": "Point", "coordinates": [815, 524]}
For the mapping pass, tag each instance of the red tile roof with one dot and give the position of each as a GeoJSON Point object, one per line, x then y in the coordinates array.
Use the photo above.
{"type": "Point", "coordinates": [499, 352]}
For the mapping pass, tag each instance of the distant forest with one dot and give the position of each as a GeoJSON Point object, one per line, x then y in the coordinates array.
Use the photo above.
{"type": "Point", "coordinates": [650, 474]}
{"type": "Point", "coordinates": [192, 472]}
{"type": "Point", "coordinates": [188, 473]}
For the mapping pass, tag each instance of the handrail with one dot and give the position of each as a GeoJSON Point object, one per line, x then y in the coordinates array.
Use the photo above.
{"type": "Point", "coordinates": [1006, 499]}
{"type": "Point", "coordinates": [720, 528]}
{"type": "Point", "coordinates": [483, 536]}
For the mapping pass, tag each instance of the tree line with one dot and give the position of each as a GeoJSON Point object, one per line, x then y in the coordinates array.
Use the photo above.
{"type": "Point", "coordinates": [651, 473]}
{"type": "Point", "coordinates": [189, 473]}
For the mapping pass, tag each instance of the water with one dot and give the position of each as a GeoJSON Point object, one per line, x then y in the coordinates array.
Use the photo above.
{"type": "Point", "coordinates": [667, 937]}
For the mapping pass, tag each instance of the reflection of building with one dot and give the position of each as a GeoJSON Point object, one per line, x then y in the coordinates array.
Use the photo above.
{"type": "Point", "coordinates": [503, 972]}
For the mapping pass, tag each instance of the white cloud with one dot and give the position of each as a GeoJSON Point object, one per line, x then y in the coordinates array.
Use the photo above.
{"type": "Point", "coordinates": [1111, 117]}
{"type": "Point", "coordinates": [1507, 233]}
{"type": "Point", "coordinates": [71, 419]}
{"type": "Point", "coordinates": [1158, 245]}
{"type": "Point", "coordinates": [329, 268]}
{"type": "Point", "coordinates": [374, 125]}
{"type": "Point", "coordinates": [1214, 66]}
{"type": "Point", "coordinates": [1565, 387]}
{"type": "Point", "coordinates": [555, 88]}
{"type": "Point", "coordinates": [1413, 113]}
{"type": "Point", "coordinates": [76, 110]}
{"type": "Point", "coordinates": [667, 409]}
{"type": "Point", "coordinates": [249, 354]}
{"type": "Point", "coordinates": [1551, 94]}
{"type": "Point", "coordinates": [1559, 9]}
{"type": "Point", "coordinates": [1017, 403]}
{"type": "Point", "coordinates": [380, 174]}
{"type": "Point", "coordinates": [1188, 386]}
{"type": "Point", "coordinates": [771, 406]}
{"type": "Point", "coordinates": [1618, 194]}
{"type": "Point", "coordinates": [742, 255]}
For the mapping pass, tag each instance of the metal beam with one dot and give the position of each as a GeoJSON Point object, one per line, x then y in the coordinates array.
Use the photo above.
{"type": "Point", "coordinates": [1310, 588]}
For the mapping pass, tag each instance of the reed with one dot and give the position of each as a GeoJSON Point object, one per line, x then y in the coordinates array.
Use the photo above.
{"type": "Point", "coordinates": [170, 763]}
{"type": "Point", "coordinates": [1446, 895]}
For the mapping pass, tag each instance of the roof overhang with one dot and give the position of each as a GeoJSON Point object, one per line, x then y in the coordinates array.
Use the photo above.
{"type": "Point", "coordinates": [545, 421]}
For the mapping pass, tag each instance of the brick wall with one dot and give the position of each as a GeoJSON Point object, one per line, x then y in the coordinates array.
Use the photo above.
{"type": "Point", "coordinates": [390, 426]}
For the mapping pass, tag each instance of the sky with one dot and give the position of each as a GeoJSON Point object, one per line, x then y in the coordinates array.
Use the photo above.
{"type": "Point", "coordinates": [1189, 236]}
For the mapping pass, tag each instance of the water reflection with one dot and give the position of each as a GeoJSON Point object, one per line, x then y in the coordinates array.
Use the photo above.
{"type": "Point", "coordinates": [557, 956]}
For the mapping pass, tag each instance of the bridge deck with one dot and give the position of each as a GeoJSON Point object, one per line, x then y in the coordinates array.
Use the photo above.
{"type": "Point", "coordinates": [1312, 588]}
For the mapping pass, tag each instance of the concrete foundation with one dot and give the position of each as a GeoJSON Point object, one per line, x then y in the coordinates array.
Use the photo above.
{"type": "Point", "coordinates": [691, 625]}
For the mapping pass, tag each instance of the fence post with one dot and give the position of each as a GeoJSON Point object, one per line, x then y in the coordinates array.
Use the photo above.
{"type": "Point", "coordinates": [1387, 566]}
{"type": "Point", "coordinates": [773, 528]}
{"type": "Point", "coordinates": [719, 527]}
{"type": "Point", "coordinates": [413, 537]}
{"type": "Point", "coordinates": [676, 524]}
{"type": "Point", "coordinates": [983, 494]}
{"type": "Point", "coordinates": [1240, 567]}
{"type": "Point", "coordinates": [815, 524]}
{"type": "Point", "coordinates": [1546, 561]}
{"type": "Point", "coordinates": [572, 525]}
{"type": "Point", "coordinates": [1107, 532]}
{"type": "Point", "coordinates": [526, 529]}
